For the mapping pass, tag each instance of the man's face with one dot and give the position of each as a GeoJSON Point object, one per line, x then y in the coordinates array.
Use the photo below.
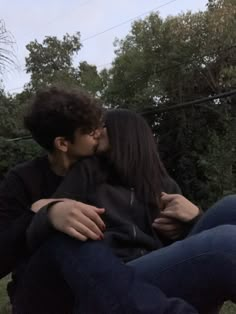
{"type": "Point", "coordinates": [84, 144]}
{"type": "Point", "coordinates": [103, 143]}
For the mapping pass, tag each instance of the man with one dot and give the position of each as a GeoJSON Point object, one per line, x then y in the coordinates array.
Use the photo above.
{"type": "Point", "coordinates": [67, 124]}
{"type": "Point", "coordinates": [78, 118]}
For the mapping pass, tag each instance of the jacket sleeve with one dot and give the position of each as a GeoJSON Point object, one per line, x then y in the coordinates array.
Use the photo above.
{"type": "Point", "coordinates": [74, 186]}
{"type": "Point", "coordinates": [15, 216]}
{"type": "Point", "coordinates": [171, 187]}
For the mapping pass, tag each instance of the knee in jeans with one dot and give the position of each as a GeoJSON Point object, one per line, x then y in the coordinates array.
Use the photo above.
{"type": "Point", "coordinates": [229, 200]}
{"type": "Point", "coordinates": [224, 235]}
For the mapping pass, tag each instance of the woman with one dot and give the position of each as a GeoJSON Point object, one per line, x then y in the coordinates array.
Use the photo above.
{"type": "Point", "coordinates": [127, 182]}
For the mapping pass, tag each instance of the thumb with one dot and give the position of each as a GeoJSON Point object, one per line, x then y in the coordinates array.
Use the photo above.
{"type": "Point", "coordinates": [166, 198]}
{"type": "Point", "coordinates": [163, 200]}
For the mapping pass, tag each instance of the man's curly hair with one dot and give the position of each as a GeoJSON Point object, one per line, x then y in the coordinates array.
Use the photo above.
{"type": "Point", "coordinates": [57, 112]}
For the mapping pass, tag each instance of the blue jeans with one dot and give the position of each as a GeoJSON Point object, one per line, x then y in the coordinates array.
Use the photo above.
{"type": "Point", "coordinates": [98, 281]}
{"type": "Point", "coordinates": [200, 269]}
{"type": "Point", "coordinates": [221, 213]}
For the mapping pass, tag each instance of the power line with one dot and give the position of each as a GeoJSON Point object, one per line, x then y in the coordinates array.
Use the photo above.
{"type": "Point", "coordinates": [194, 59]}
{"type": "Point", "coordinates": [189, 103]}
{"type": "Point", "coordinates": [127, 21]}
{"type": "Point", "coordinates": [16, 139]}
{"type": "Point", "coordinates": [161, 110]}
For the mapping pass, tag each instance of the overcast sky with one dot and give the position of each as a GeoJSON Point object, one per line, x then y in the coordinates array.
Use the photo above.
{"type": "Point", "coordinates": [28, 20]}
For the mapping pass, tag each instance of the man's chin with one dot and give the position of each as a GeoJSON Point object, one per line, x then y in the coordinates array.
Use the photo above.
{"type": "Point", "coordinates": [100, 150]}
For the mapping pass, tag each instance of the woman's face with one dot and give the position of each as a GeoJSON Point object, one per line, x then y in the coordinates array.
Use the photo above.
{"type": "Point", "coordinates": [103, 143]}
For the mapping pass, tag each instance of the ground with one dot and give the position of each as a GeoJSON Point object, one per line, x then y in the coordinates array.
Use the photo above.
{"type": "Point", "coordinates": [5, 309]}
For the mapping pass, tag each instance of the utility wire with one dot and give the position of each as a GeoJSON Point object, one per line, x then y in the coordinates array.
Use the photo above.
{"type": "Point", "coordinates": [161, 110]}
{"type": "Point", "coordinates": [16, 139]}
{"type": "Point", "coordinates": [189, 103]}
{"type": "Point", "coordinates": [127, 21]}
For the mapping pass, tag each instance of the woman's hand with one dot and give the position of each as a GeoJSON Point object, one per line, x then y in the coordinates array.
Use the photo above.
{"type": "Point", "coordinates": [168, 227]}
{"type": "Point", "coordinates": [178, 207]}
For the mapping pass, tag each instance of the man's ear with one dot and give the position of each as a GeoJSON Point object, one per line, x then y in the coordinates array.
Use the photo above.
{"type": "Point", "coordinates": [61, 144]}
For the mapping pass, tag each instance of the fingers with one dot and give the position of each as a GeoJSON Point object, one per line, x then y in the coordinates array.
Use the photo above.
{"type": "Point", "coordinates": [168, 231]}
{"type": "Point", "coordinates": [87, 232]}
{"type": "Point", "coordinates": [166, 227]}
{"type": "Point", "coordinates": [76, 219]}
{"type": "Point", "coordinates": [171, 213]}
{"type": "Point", "coordinates": [165, 199]}
{"type": "Point", "coordinates": [93, 213]}
{"type": "Point", "coordinates": [169, 199]}
{"type": "Point", "coordinates": [164, 220]}
{"type": "Point", "coordinates": [75, 234]}
{"type": "Point", "coordinates": [90, 225]}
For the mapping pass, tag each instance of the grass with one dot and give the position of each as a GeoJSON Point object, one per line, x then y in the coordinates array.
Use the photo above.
{"type": "Point", "coordinates": [228, 308]}
{"type": "Point", "coordinates": [4, 304]}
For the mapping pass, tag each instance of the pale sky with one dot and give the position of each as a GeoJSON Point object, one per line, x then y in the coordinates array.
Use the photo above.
{"type": "Point", "coordinates": [28, 20]}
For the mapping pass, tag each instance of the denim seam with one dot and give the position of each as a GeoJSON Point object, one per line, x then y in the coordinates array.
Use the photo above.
{"type": "Point", "coordinates": [193, 257]}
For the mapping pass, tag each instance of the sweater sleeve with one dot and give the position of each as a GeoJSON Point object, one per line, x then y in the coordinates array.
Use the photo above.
{"type": "Point", "coordinates": [75, 186]}
{"type": "Point", "coordinates": [171, 186]}
{"type": "Point", "coordinates": [15, 216]}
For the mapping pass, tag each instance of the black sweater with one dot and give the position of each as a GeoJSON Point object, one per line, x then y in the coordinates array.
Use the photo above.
{"type": "Point", "coordinates": [22, 186]}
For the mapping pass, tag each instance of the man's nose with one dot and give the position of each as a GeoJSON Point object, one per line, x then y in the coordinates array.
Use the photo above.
{"type": "Point", "coordinates": [97, 133]}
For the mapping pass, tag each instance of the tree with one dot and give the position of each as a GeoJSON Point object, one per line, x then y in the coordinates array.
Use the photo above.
{"type": "Point", "coordinates": [89, 78]}
{"type": "Point", "coordinates": [51, 61]}
{"type": "Point", "coordinates": [7, 115]}
{"type": "Point", "coordinates": [13, 152]}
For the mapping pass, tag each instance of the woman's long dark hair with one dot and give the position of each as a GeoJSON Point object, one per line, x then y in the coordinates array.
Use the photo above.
{"type": "Point", "coordinates": [134, 155]}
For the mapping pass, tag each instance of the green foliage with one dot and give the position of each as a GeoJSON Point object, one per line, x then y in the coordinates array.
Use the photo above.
{"type": "Point", "coordinates": [89, 78]}
{"type": "Point", "coordinates": [13, 153]}
{"type": "Point", "coordinates": [7, 115]}
{"type": "Point", "coordinates": [11, 116]}
{"type": "Point", "coordinates": [4, 302]}
{"type": "Point", "coordinates": [52, 61]}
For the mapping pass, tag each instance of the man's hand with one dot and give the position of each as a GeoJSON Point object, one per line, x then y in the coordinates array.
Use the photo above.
{"type": "Point", "coordinates": [36, 206]}
{"type": "Point", "coordinates": [178, 207]}
{"type": "Point", "coordinates": [78, 220]}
